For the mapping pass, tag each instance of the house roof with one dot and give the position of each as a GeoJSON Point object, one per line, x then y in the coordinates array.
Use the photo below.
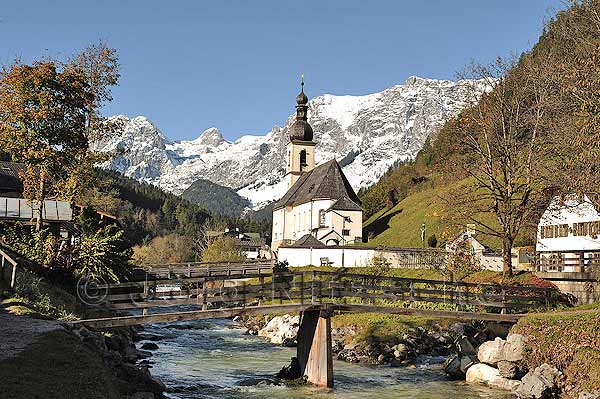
{"type": "Point", "coordinates": [331, 233]}
{"type": "Point", "coordinates": [345, 204]}
{"type": "Point", "coordinates": [9, 176]}
{"type": "Point", "coordinates": [308, 241]}
{"type": "Point", "coordinates": [326, 181]}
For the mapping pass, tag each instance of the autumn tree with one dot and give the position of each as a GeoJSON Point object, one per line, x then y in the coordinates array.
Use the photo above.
{"type": "Point", "coordinates": [505, 150]}
{"type": "Point", "coordinates": [49, 118]}
{"type": "Point", "coordinates": [42, 119]}
{"type": "Point", "coordinates": [222, 249]}
{"type": "Point", "coordinates": [170, 248]}
{"type": "Point", "coordinates": [573, 38]}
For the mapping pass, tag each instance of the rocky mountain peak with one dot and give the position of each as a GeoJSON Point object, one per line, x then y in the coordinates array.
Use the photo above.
{"type": "Point", "coordinates": [211, 136]}
{"type": "Point", "coordinates": [368, 134]}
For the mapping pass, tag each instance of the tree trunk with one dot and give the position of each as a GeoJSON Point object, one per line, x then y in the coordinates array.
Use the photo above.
{"type": "Point", "coordinates": [507, 245]}
{"type": "Point", "coordinates": [41, 196]}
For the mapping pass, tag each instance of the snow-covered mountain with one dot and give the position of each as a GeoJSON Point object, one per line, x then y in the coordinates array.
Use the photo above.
{"type": "Point", "coordinates": [366, 134]}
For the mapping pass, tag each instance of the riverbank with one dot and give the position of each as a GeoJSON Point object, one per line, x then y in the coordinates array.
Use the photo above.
{"type": "Point", "coordinates": [43, 357]}
{"type": "Point", "coordinates": [544, 356]}
{"type": "Point", "coordinates": [379, 339]}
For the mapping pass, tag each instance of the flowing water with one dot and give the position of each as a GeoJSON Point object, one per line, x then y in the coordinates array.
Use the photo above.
{"type": "Point", "coordinates": [214, 359]}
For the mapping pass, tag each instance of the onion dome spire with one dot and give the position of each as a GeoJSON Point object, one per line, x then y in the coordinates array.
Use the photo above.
{"type": "Point", "coordinates": [301, 129]}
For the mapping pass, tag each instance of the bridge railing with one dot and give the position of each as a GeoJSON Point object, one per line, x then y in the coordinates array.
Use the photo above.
{"type": "Point", "coordinates": [215, 286]}
{"type": "Point", "coordinates": [9, 264]}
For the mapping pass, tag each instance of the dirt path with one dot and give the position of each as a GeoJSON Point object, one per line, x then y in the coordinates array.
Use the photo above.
{"type": "Point", "coordinates": [17, 332]}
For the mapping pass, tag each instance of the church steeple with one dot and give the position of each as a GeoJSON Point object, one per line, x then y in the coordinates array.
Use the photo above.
{"type": "Point", "coordinates": [300, 150]}
{"type": "Point", "coordinates": [301, 129]}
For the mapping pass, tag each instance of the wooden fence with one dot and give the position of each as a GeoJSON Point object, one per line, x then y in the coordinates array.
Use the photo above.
{"type": "Point", "coordinates": [241, 285]}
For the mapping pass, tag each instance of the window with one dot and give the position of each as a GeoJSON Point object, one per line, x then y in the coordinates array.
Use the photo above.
{"type": "Point", "coordinates": [322, 218]}
{"type": "Point", "coordinates": [345, 232]}
{"type": "Point", "coordinates": [557, 230]}
{"type": "Point", "coordinates": [303, 163]}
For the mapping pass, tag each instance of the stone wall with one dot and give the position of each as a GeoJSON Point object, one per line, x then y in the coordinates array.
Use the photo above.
{"type": "Point", "coordinates": [585, 287]}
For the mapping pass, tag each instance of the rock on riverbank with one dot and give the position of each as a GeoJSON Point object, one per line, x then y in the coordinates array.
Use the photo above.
{"type": "Point", "coordinates": [120, 356]}
{"type": "Point", "coordinates": [499, 363]}
{"type": "Point", "coordinates": [348, 346]}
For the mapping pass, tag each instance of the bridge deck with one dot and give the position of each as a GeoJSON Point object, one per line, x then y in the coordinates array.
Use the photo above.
{"type": "Point", "coordinates": [228, 313]}
{"type": "Point", "coordinates": [225, 291]}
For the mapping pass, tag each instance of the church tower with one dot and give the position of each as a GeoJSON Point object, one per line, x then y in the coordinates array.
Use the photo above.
{"type": "Point", "coordinates": [301, 148]}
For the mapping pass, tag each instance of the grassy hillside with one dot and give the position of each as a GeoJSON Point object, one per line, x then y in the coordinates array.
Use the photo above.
{"type": "Point", "coordinates": [400, 225]}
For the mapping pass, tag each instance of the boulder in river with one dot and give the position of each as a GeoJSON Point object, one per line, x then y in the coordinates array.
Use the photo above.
{"type": "Point", "coordinates": [149, 346]}
{"type": "Point", "coordinates": [509, 370]}
{"type": "Point", "coordinates": [452, 367]}
{"type": "Point", "coordinates": [281, 329]}
{"type": "Point", "coordinates": [540, 383]}
{"type": "Point", "coordinates": [510, 350]}
{"type": "Point", "coordinates": [465, 346]}
{"type": "Point", "coordinates": [485, 374]}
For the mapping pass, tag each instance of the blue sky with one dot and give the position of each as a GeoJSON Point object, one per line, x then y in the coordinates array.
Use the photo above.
{"type": "Point", "coordinates": [235, 65]}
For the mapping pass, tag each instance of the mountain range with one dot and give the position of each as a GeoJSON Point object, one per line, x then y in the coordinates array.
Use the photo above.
{"type": "Point", "coordinates": [366, 134]}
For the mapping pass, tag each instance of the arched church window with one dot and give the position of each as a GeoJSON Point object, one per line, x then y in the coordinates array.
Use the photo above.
{"type": "Point", "coordinates": [322, 218]}
{"type": "Point", "coordinates": [303, 163]}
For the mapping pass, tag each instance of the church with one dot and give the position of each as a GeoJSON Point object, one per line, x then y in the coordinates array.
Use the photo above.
{"type": "Point", "coordinates": [320, 208]}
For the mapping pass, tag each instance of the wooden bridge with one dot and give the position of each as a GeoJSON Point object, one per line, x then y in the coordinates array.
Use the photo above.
{"type": "Point", "coordinates": [229, 290]}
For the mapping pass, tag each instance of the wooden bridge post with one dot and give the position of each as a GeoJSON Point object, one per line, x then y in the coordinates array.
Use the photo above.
{"type": "Point", "coordinates": [314, 347]}
{"type": "Point", "coordinates": [204, 295]}
{"type": "Point", "coordinates": [146, 290]}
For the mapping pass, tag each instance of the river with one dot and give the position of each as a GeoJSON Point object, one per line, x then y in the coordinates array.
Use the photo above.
{"type": "Point", "coordinates": [215, 359]}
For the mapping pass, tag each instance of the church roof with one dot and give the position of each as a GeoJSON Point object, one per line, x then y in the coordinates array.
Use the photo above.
{"type": "Point", "coordinates": [326, 181]}
{"type": "Point", "coordinates": [345, 204]}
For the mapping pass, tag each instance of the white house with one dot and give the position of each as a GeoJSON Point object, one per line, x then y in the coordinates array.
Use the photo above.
{"type": "Point", "coordinates": [567, 236]}
{"type": "Point", "coordinates": [488, 258]}
{"type": "Point", "coordinates": [320, 202]}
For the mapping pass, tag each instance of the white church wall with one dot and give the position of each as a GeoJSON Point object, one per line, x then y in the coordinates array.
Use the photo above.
{"type": "Point", "coordinates": [338, 256]}
{"type": "Point", "coordinates": [278, 232]}
{"type": "Point", "coordinates": [354, 227]}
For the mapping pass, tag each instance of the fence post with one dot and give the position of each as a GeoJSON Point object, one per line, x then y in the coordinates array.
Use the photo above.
{"type": "Point", "coordinates": [145, 310]}
{"type": "Point", "coordinates": [313, 288]}
{"type": "Point", "coordinates": [412, 294]}
{"type": "Point", "coordinates": [503, 310]}
{"type": "Point", "coordinates": [301, 288]}
{"type": "Point", "coordinates": [363, 291]}
{"type": "Point", "coordinates": [243, 294]}
{"type": "Point", "coordinates": [457, 297]}
{"type": "Point", "coordinates": [204, 295]}
{"type": "Point", "coordinates": [261, 291]}
{"type": "Point", "coordinates": [1, 277]}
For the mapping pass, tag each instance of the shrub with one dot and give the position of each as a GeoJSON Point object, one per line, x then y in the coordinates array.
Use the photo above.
{"type": "Point", "coordinates": [102, 254]}
{"type": "Point", "coordinates": [34, 292]}
{"type": "Point", "coordinates": [222, 250]}
{"type": "Point", "coordinates": [432, 241]}
{"type": "Point", "coordinates": [171, 248]}
{"type": "Point", "coordinates": [41, 247]}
